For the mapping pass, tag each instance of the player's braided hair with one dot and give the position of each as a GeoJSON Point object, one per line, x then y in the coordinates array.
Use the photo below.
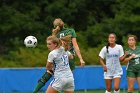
{"type": "Point", "coordinates": [107, 47]}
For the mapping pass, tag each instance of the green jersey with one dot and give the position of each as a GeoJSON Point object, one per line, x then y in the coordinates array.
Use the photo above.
{"type": "Point", "coordinates": [134, 63]}
{"type": "Point", "coordinates": [65, 32]}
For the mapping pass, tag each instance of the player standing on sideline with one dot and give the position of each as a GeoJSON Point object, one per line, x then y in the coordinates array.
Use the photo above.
{"type": "Point", "coordinates": [133, 60]}
{"type": "Point", "coordinates": [110, 57]}
{"type": "Point", "coordinates": [58, 59]}
{"type": "Point", "coordinates": [60, 31]}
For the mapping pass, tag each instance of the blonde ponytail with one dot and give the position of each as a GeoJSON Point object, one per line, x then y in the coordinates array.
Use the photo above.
{"type": "Point", "coordinates": [65, 41]}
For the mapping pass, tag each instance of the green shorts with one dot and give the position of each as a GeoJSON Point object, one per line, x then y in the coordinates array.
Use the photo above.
{"type": "Point", "coordinates": [133, 74]}
{"type": "Point", "coordinates": [72, 64]}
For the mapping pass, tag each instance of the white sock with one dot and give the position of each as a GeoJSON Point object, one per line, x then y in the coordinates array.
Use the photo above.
{"type": "Point", "coordinates": [117, 91]}
{"type": "Point", "coordinates": [107, 91]}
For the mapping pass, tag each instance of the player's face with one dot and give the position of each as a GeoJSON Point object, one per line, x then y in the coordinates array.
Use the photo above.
{"type": "Point", "coordinates": [131, 41]}
{"type": "Point", "coordinates": [112, 39]}
{"type": "Point", "coordinates": [51, 46]}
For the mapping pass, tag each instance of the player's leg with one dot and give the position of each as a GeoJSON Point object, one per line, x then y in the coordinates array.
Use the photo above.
{"type": "Point", "coordinates": [69, 91]}
{"type": "Point", "coordinates": [130, 78]}
{"type": "Point", "coordinates": [51, 90]}
{"type": "Point", "coordinates": [108, 81]}
{"type": "Point", "coordinates": [117, 84]}
{"type": "Point", "coordinates": [130, 84]}
{"type": "Point", "coordinates": [41, 82]}
{"type": "Point", "coordinates": [69, 86]}
{"type": "Point", "coordinates": [138, 79]}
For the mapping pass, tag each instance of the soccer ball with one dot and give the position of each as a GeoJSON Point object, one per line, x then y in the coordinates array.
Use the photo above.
{"type": "Point", "coordinates": [30, 41]}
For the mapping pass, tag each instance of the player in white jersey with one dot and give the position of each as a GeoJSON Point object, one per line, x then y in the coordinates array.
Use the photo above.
{"type": "Point", "coordinates": [110, 57]}
{"type": "Point", "coordinates": [58, 60]}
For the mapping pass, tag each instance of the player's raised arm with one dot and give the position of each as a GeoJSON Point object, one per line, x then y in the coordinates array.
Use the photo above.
{"type": "Point", "coordinates": [77, 50]}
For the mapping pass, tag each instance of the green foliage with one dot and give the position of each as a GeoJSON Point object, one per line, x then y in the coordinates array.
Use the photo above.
{"type": "Point", "coordinates": [26, 57]}
{"type": "Point", "coordinates": [93, 20]}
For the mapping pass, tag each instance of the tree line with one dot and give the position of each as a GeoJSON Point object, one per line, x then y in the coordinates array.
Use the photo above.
{"type": "Point", "coordinates": [93, 20]}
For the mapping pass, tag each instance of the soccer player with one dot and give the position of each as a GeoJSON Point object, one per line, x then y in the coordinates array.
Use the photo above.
{"type": "Point", "coordinates": [110, 57]}
{"type": "Point", "coordinates": [58, 59]}
{"type": "Point", "coordinates": [133, 60]}
{"type": "Point", "coordinates": [60, 31]}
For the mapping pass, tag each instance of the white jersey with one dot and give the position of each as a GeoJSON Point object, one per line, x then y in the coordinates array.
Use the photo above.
{"type": "Point", "coordinates": [112, 59]}
{"type": "Point", "coordinates": [59, 58]}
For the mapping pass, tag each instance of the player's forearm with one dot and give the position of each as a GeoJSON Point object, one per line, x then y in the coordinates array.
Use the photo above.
{"type": "Point", "coordinates": [126, 60]}
{"type": "Point", "coordinates": [49, 66]}
{"type": "Point", "coordinates": [77, 50]}
{"type": "Point", "coordinates": [122, 58]}
{"type": "Point", "coordinates": [102, 62]}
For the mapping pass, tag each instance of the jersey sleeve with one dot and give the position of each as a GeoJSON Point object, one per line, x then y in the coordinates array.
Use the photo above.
{"type": "Point", "coordinates": [102, 53]}
{"type": "Point", "coordinates": [50, 57]}
{"type": "Point", "coordinates": [73, 33]}
{"type": "Point", "coordinates": [121, 51]}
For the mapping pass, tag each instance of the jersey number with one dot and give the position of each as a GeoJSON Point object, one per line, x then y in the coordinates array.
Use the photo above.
{"type": "Point", "coordinates": [137, 61]}
{"type": "Point", "coordinates": [65, 60]}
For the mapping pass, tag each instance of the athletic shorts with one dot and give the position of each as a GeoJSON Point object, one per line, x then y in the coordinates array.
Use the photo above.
{"type": "Point", "coordinates": [133, 74]}
{"type": "Point", "coordinates": [111, 77]}
{"type": "Point", "coordinates": [63, 84]}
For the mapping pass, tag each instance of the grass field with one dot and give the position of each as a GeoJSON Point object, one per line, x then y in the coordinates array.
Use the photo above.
{"type": "Point", "coordinates": [93, 91]}
{"type": "Point", "coordinates": [100, 91]}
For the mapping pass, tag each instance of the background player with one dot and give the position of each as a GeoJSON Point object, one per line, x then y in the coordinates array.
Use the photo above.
{"type": "Point", "coordinates": [110, 57]}
{"type": "Point", "coordinates": [133, 60]}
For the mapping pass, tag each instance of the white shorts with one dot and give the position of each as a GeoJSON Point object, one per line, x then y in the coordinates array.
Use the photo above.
{"type": "Point", "coordinates": [63, 84]}
{"type": "Point", "coordinates": [111, 77]}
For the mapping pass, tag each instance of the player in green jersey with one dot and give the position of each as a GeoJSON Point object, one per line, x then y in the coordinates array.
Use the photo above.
{"type": "Point", "coordinates": [60, 31]}
{"type": "Point", "coordinates": [133, 60]}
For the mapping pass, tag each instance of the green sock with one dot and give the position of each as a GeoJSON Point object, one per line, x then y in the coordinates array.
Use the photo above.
{"type": "Point", "coordinates": [38, 87]}
{"type": "Point", "coordinates": [42, 82]}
